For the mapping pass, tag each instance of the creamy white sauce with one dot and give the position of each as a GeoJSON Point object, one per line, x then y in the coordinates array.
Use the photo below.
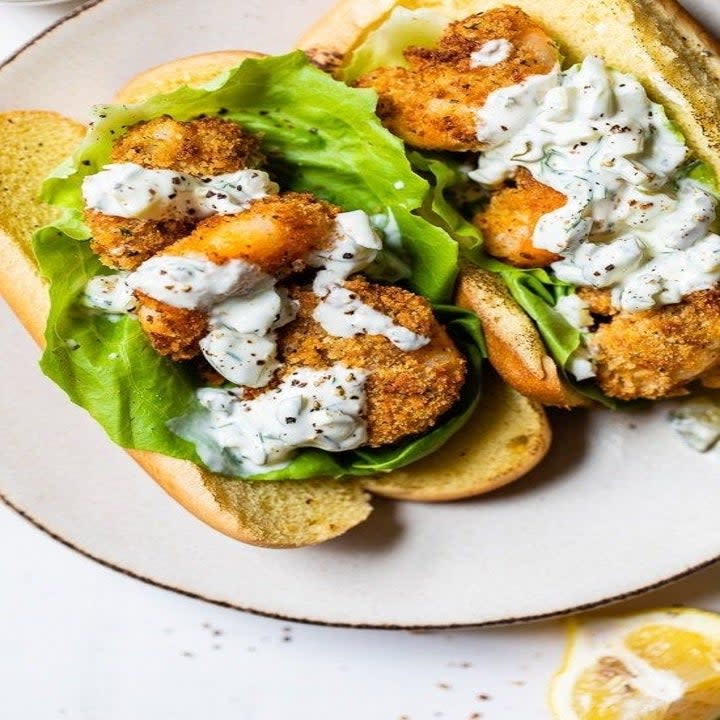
{"type": "Point", "coordinates": [353, 246]}
{"type": "Point", "coordinates": [592, 134]}
{"type": "Point", "coordinates": [387, 223]}
{"type": "Point", "coordinates": [575, 311]}
{"type": "Point", "coordinates": [342, 313]}
{"type": "Point", "coordinates": [309, 408]}
{"type": "Point", "coordinates": [194, 282]}
{"type": "Point", "coordinates": [132, 191]}
{"type": "Point", "coordinates": [491, 53]}
{"type": "Point", "coordinates": [242, 344]}
{"type": "Point", "coordinates": [110, 293]}
{"type": "Point", "coordinates": [697, 421]}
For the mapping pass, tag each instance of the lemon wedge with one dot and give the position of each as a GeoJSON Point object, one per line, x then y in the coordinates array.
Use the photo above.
{"type": "Point", "coordinates": [657, 665]}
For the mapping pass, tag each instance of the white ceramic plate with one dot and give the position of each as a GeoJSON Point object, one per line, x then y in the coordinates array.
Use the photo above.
{"type": "Point", "coordinates": [620, 505]}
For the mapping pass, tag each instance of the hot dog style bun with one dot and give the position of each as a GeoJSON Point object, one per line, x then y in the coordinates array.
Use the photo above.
{"type": "Point", "coordinates": [656, 41]}
{"type": "Point", "coordinates": [507, 437]}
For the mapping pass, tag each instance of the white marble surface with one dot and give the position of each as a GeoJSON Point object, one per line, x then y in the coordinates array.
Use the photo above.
{"type": "Point", "coordinates": [80, 641]}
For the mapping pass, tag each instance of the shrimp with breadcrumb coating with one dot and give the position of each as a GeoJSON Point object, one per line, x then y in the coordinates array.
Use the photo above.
{"type": "Point", "coordinates": [202, 147]}
{"type": "Point", "coordinates": [508, 221]}
{"type": "Point", "coordinates": [656, 353]}
{"type": "Point", "coordinates": [274, 234]}
{"type": "Point", "coordinates": [407, 392]}
{"type": "Point", "coordinates": [432, 103]}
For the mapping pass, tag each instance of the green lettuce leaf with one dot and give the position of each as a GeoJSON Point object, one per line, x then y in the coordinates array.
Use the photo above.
{"type": "Point", "coordinates": [383, 47]}
{"type": "Point", "coordinates": [704, 173]}
{"type": "Point", "coordinates": [319, 136]}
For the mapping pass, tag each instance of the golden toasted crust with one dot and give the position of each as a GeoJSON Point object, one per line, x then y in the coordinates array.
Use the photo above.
{"type": "Point", "coordinates": [125, 243]}
{"type": "Point", "coordinates": [598, 300]}
{"type": "Point", "coordinates": [31, 143]}
{"type": "Point", "coordinates": [656, 353]}
{"type": "Point", "coordinates": [172, 331]}
{"type": "Point", "coordinates": [267, 514]}
{"type": "Point", "coordinates": [203, 146]}
{"type": "Point", "coordinates": [193, 70]}
{"type": "Point", "coordinates": [514, 346]}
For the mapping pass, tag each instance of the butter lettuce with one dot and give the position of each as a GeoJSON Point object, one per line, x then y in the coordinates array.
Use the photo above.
{"type": "Point", "coordinates": [383, 47]}
{"type": "Point", "coordinates": [704, 173]}
{"type": "Point", "coordinates": [319, 136]}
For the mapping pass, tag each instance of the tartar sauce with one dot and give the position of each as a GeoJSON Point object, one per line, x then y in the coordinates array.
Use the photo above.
{"type": "Point", "coordinates": [697, 421]}
{"type": "Point", "coordinates": [242, 344]}
{"type": "Point", "coordinates": [244, 309]}
{"type": "Point", "coordinates": [575, 311]}
{"type": "Point", "coordinates": [132, 191]}
{"type": "Point", "coordinates": [195, 283]}
{"type": "Point", "coordinates": [110, 293]}
{"type": "Point", "coordinates": [491, 53]}
{"type": "Point", "coordinates": [593, 134]}
{"type": "Point", "coordinates": [342, 313]}
{"type": "Point", "coordinates": [309, 408]}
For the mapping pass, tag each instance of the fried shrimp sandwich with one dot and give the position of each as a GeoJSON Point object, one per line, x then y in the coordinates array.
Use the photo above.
{"type": "Point", "coordinates": [265, 323]}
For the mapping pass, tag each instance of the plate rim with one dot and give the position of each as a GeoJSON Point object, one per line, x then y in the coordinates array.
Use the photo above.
{"type": "Point", "coordinates": [500, 622]}
{"type": "Point", "coordinates": [128, 572]}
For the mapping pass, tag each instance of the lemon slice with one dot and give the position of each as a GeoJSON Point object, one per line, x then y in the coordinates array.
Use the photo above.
{"type": "Point", "coordinates": [658, 665]}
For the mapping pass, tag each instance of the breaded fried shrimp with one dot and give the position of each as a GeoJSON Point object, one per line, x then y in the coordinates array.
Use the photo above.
{"type": "Point", "coordinates": [711, 378]}
{"type": "Point", "coordinates": [509, 219]}
{"type": "Point", "coordinates": [205, 146]}
{"type": "Point", "coordinates": [406, 391]}
{"type": "Point", "coordinates": [598, 300]}
{"type": "Point", "coordinates": [172, 331]}
{"type": "Point", "coordinates": [124, 243]}
{"type": "Point", "coordinates": [273, 233]}
{"type": "Point", "coordinates": [656, 353]}
{"type": "Point", "coordinates": [431, 104]}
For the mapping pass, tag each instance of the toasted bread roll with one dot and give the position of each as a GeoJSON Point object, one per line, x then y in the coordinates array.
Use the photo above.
{"type": "Point", "coordinates": [31, 144]}
{"type": "Point", "coordinates": [515, 348]}
{"type": "Point", "coordinates": [289, 514]}
{"type": "Point", "coordinates": [194, 70]}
